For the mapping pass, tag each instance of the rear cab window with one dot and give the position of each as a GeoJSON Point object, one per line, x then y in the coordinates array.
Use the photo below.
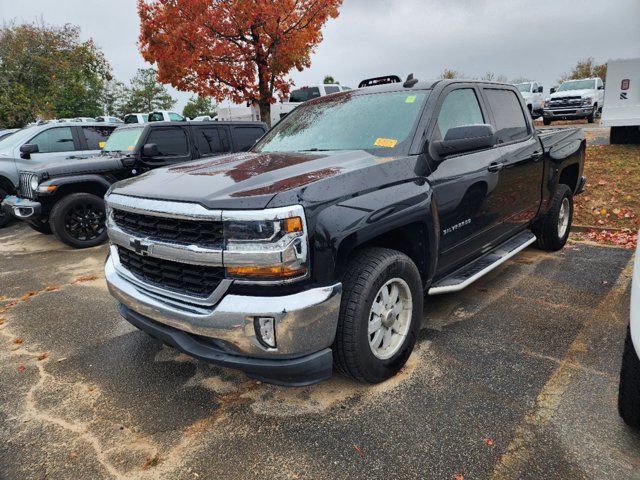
{"type": "Point", "coordinates": [509, 118]}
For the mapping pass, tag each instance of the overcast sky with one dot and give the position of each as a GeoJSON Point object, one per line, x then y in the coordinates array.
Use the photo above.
{"type": "Point", "coordinates": [540, 39]}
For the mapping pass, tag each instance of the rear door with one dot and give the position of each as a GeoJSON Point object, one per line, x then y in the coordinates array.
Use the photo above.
{"type": "Point", "coordinates": [93, 138]}
{"type": "Point", "coordinates": [519, 154]}
{"type": "Point", "coordinates": [211, 140]}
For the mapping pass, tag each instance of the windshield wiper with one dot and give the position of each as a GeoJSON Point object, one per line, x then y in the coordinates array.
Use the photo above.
{"type": "Point", "coordinates": [317, 150]}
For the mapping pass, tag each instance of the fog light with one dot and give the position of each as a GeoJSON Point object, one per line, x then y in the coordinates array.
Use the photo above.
{"type": "Point", "coordinates": [266, 330]}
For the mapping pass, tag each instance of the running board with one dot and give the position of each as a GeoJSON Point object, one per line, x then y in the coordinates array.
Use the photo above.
{"type": "Point", "coordinates": [468, 274]}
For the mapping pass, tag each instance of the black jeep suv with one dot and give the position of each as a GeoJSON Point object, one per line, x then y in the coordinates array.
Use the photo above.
{"type": "Point", "coordinates": [65, 198]}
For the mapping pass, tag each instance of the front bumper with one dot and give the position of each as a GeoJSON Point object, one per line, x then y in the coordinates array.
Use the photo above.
{"type": "Point", "coordinates": [224, 334]}
{"type": "Point", "coordinates": [21, 208]}
{"type": "Point", "coordinates": [568, 112]}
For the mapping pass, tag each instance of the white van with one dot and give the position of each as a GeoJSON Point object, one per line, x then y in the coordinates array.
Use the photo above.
{"type": "Point", "coordinates": [621, 109]}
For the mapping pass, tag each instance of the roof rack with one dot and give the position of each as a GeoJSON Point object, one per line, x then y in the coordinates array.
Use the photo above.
{"type": "Point", "coordinates": [370, 82]}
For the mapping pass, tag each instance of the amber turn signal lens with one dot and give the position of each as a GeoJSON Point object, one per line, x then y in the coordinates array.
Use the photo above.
{"type": "Point", "coordinates": [265, 272]}
{"type": "Point", "coordinates": [51, 188]}
{"type": "Point", "coordinates": [293, 224]}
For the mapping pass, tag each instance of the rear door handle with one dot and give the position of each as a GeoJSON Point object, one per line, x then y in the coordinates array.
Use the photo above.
{"type": "Point", "coordinates": [495, 167]}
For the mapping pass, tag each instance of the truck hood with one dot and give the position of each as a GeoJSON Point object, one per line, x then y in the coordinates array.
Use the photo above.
{"type": "Point", "coordinates": [78, 166]}
{"type": "Point", "coordinates": [244, 180]}
{"type": "Point", "coordinates": [574, 93]}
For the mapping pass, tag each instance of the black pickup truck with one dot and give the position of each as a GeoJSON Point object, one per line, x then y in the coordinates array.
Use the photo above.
{"type": "Point", "coordinates": [65, 198]}
{"type": "Point", "coordinates": [317, 247]}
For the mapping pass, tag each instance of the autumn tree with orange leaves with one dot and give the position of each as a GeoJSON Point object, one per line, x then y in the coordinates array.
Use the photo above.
{"type": "Point", "coordinates": [240, 50]}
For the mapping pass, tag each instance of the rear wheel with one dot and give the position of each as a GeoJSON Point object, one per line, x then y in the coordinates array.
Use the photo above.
{"type": "Point", "coordinates": [79, 220]}
{"type": "Point", "coordinates": [553, 230]}
{"type": "Point", "coordinates": [592, 116]}
{"type": "Point", "coordinates": [5, 218]}
{"type": "Point", "coordinates": [380, 315]}
{"type": "Point", "coordinates": [629, 393]}
{"type": "Point", "coordinates": [41, 226]}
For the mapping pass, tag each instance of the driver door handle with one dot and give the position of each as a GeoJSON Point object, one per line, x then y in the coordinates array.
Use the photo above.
{"type": "Point", "coordinates": [495, 167]}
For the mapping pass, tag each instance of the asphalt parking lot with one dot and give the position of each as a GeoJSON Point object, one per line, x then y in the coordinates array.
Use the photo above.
{"type": "Point", "coordinates": [515, 377]}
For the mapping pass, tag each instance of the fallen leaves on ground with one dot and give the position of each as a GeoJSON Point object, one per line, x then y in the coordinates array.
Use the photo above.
{"type": "Point", "coordinates": [358, 449]}
{"type": "Point", "coordinates": [488, 441]}
{"type": "Point", "coordinates": [84, 278]}
{"type": "Point", "coordinates": [458, 476]}
{"type": "Point", "coordinates": [21, 368]}
{"type": "Point", "coordinates": [43, 356]}
{"type": "Point", "coordinates": [28, 295]}
{"type": "Point", "coordinates": [18, 340]}
{"type": "Point", "coordinates": [151, 462]}
{"type": "Point", "coordinates": [52, 289]}
{"type": "Point", "coordinates": [621, 238]}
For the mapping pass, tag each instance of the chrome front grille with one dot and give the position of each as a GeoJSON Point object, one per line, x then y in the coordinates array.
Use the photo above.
{"type": "Point", "coordinates": [565, 102]}
{"type": "Point", "coordinates": [24, 185]}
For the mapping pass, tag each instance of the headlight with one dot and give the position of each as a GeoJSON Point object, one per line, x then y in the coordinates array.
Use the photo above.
{"type": "Point", "coordinates": [34, 183]}
{"type": "Point", "coordinates": [266, 245]}
{"type": "Point", "coordinates": [587, 101]}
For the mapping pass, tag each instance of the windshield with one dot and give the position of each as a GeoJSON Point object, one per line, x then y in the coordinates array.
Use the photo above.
{"type": "Point", "coordinates": [304, 94]}
{"type": "Point", "coordinates": [524, 87]}
{"type": "Point", "coordinates": [123, 140]}
{"type": "Point", "coordinates": [577, 85]}
{"type": "Point", "coordinates": [379, 122]}
{"type": "Point", "coordinates": [19, 137]}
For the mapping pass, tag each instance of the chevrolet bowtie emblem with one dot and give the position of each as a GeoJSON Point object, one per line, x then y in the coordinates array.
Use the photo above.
{"type": "Point", "coordinates": [141, 248]}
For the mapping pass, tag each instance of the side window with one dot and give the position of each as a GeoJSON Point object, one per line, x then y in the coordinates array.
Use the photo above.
{"type": "Point", "coordinates": [172, 142]}
{"type": "Point", "coordinates": [459, 108]}
{"type": "Point", "coordinates": [96, 136]}
{"type": "Point", "coordinates": [332, 89]}
{"type": "Point", "coordinates": [175, 117]}
{"type": "Point", "coordinates": [511, 124]}
{"type": "Point", "coordinates": [131, 119]}
{"type": "Point", "coordinates": [535, 88]}
{"type": "Point", "coordinates": [209, 141]}
{"type": "Point", "coordinates": [54, 140]}
{"type": "Point", "coordinates": [245, 137]}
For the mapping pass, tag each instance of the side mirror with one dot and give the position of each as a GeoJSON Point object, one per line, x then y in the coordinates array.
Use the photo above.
{"type": "Point", "coordinates": [465, 138]}
{"type": "Point", "coordinates": [601, 87]}
{"type": "Point", "coordinates": [553, 90]}
{"type": "Point", "coordinates": [540, 89]}
{"type": "Point", "coordinates": [150, 150]}
{"type": "Point", "coordinates": [27, 149]}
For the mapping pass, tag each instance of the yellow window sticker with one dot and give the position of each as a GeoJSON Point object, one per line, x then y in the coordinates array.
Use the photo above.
{"type": "Point", "coordinates": [385, 142]}
{"type": "Point", "coordinates": [130, 147]}
{"type": "Point", "coordinates": [410, 99]}
{"type": "Point", "coordinates": [102, 144]}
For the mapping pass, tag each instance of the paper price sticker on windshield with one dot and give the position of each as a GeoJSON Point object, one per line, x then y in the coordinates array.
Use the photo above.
{"type": "Point", "coordinates": [130, 148]}
{"type": "Point", "coordinates": [410, 99]}
{"type": "Point", "coordinates": [385, 142]}
{"type": "Point", "coordinates": [102, 144]}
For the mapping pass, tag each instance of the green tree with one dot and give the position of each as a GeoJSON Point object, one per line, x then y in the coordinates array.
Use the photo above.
{"type": "Point", "coordinates": [520, 79]}
{"type": "Point", "coordinates": [449, 74]}
{"type": "Point", "coordinates": [47, 71]}
{"type": "Point", "coordinates": [112, 98]}
{"type": "Point", "coordinates": [146, 94]}
{"type": "Point", "coordinates": [197, 106]}
{"type": "Point", "coordinates": [329, 79]}
{"type": "Point", "coordinates": [585, 68]}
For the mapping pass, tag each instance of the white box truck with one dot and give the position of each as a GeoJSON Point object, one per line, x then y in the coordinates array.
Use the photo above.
{"type": "Point", "coordinates": [621, 109]}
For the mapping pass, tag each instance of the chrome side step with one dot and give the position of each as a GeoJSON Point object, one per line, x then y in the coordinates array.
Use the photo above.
{"type": "Point", "coordinates": [468, 274]}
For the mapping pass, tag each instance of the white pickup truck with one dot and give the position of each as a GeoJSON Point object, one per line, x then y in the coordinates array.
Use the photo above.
{"type": "Point", "coordinates": [532, 94]}
{"type": "Point", "coordinates": [621, 109]}
{"type": "Point", "coordinates": [575, 99]}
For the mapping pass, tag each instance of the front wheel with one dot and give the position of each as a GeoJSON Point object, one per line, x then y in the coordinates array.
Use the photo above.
{"type": "Point", "coordinates": [592, 117]}
{"type": "Point", "coordinates": [553, 230]}
{"type": "Point", "coordinates": [629, 393]}
{"type": "Point", "coordinates": [380, 315]}
{"type": "Point", "coordinates": [546, 121]}
{"type": "Point", "coordinates": [79, 220]}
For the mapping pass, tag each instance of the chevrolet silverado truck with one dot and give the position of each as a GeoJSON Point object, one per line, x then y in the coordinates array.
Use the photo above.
{"type": "Point", "coordinates": [66, 198]}
{"type": "Point", "coordinates": [575, 99]}
{"type": "Point", "coordinates": [532, 94]}
{"type": "Point", "coordinates": [317, 246]}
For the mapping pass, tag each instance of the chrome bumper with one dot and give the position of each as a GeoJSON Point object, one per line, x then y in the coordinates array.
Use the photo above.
{"type": "Point", "coordinates": [305, 322]}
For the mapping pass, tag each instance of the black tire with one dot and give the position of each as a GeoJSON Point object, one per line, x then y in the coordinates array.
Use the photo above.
{"type": "Point", "coordinates": [547, 231]}
{"type": "Point", "coordinates": [618, 136]}
{"type": "Point", "coordinates": [546, 121]}
{"type": "Point", "coordinates": [629, 393]}
{"type": "Point", "coordinates": [41, 226]}
{"type": "Point", "coordinates": [592, 116]}
{"type": "Point", "coordinates": [5, 218]}
{"type": "Point", "coordinates": [367, 272]}
{"type": "Point", "coordinates": [79, 220]}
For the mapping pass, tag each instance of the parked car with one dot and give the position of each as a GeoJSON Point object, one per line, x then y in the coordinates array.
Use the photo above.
{"type": "Point", "coordinates": [34, 146]}
{"type": "Point", "coordinates": [136, 118]}
{"type": "Point", "coordinates": [629, 393]}
{"type": "Point", "coordinates": [575, 99]}
{"type": "Point", "coordinates": [621, 109]}
{"type": "Point", "coordinates": [165, 116]}
{"type": "Point", "coordinates": [7, 131]}
{"type": "Point", "coordinates": [532, 94]}
{"type": "Point", "coordinates": [66, 198]}
{"type": "Point", "coordinates": [204, 118]}
{"type": "Point", "coordinates": [105, 118]}
{"type": "Point", "coordinates": [84, 119]}
{"type": "Point", "coordinates": [317, 246]}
